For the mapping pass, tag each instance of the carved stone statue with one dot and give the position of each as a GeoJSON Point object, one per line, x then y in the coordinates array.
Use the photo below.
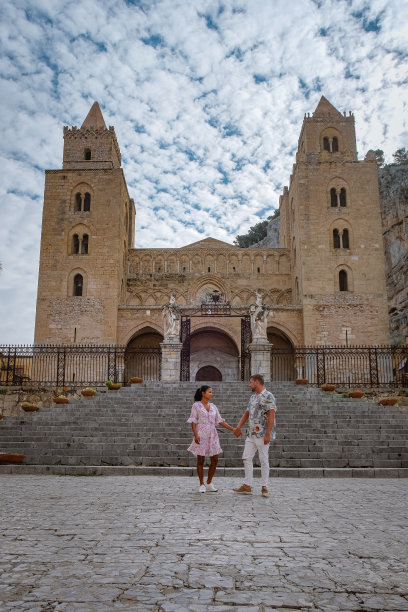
{"type": "Point", "coordinates": [259, 313]}
{"type": "Point", "coordinates": [172, 316]}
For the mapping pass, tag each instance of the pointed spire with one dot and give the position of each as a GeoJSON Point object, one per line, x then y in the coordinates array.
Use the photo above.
{"type": "Point", "coordinates": [94, 118]}
{"type": "Point", "coordinates": [325, 108]}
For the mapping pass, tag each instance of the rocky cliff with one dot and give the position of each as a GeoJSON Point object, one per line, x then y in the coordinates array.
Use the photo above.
{"type": "Point", "coordinates": [394, 210]}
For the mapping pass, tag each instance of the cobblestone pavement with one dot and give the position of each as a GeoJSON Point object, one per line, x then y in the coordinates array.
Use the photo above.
{"type": "Point", "coordinates": [156, 544]}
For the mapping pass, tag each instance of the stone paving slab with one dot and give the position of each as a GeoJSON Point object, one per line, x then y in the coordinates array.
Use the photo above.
{"type": "Point", "coordinates": [144, 470]}
{"type": "Point", "coordinates": [153, 543]}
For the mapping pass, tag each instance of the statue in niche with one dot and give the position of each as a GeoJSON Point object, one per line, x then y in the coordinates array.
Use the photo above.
{"type": "Point", "coordinates": [259, 313]}
{"type": "Point", "coordinates": [172, 317]}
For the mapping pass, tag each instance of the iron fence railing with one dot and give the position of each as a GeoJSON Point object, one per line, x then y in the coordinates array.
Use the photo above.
{"type": "Point", "coordinates": [76, 365]}
{"type": "Point", "coordinates": [352, 366]}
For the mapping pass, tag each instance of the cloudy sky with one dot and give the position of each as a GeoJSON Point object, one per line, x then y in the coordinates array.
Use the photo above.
{"type": "Point", "coordinates": [207, 99]}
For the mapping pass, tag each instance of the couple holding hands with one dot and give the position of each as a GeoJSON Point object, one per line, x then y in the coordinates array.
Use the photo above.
{"type": "Point", "coordinates": [260, 415]}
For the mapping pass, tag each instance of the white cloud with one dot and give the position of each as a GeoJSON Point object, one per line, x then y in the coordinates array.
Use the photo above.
{"type": "Point", "coordinates": [207, 105]}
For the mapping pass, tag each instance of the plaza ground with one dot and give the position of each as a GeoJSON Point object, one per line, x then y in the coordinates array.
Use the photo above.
{"type": "Point", "coordinates": [151, 543]}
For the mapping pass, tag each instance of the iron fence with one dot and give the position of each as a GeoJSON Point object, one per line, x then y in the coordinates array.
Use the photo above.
{"type": "Point", "coordinates": [76, 365]}
{"type": "Point", "coordinates": [352, 366]}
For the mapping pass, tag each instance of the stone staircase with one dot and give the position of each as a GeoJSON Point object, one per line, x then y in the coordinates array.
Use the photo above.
{"type": "Point", "coordinates": [146, 425]}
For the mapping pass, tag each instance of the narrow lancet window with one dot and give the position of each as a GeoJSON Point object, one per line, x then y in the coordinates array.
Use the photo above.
{"type": "Point", "coordinates": [345, 239]}
{"type": "Point", "coordinates": [78, 202]}
{"type": "Point", "coordinates": [84, 244]}
{"type": "Point", "coordinates": [336, 239]}
{"type": "Point", "coordinates": [78, 284]}
{"type": "Point", "coordinates": [75, 244]}
{"type": "Point", "coordinates": [87, 202]}
{"type": "Point", "coordinates": [333, 197]}
{"type": "Point", "coordinates": [343, 280]}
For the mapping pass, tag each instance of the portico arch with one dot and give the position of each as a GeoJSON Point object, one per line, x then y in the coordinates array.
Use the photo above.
{"type": "Point", "coordinates": [143, 354]}
{"type": "Point", "coordinates": [212, 348]}
{"type": "Point", "coordinates": [282, 355]}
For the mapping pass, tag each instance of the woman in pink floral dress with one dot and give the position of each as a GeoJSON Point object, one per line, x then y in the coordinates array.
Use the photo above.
{"type": "Point", "coordinates": [204, 419]}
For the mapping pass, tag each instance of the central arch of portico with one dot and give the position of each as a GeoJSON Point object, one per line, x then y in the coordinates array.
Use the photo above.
{"type": "Point", "coordinates": [207, 339]}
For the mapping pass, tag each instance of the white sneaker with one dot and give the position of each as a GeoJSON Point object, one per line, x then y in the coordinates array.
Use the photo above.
{"type": "Point", "coordinates": [201, 489]}
{"type": "Point", "coordinates": [210, 488]}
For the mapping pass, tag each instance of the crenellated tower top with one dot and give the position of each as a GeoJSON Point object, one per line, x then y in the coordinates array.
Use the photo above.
{"type": "Point", "coordinates": [93, 146]}
{"type": "Point", "coordinates": [327, 134]}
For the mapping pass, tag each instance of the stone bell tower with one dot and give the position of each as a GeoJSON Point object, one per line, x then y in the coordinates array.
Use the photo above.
{"type": "Point", "coordinates": [87, 229]}
{"type": "Point", "coordinates": [330, 221]}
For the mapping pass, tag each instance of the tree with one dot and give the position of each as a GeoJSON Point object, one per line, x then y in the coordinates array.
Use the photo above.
{"type": "Point", "coordinates": [400, 157]}
{"type": "Point", "coordinates": [379, 156]}
{"type": "Point", "coordinates": [256, 233]}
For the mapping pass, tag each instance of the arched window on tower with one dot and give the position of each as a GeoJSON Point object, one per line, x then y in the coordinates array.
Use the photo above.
{"type": "Point", "coordinates": [87, 202]}
{"type": "Point", "coordinates": [345, 239]}
{"type": "Point", "coordinates": [343, 198]}
{"type": "Point", "coordinates": [336, 239]}
{"type": "Point", "coordinates": [78, 285]}
{"type": "Point", "coordinates": [75, 244]}
{"type": "Point", "coordinates": [343, 286]}
{"type": "Point", "coordinates": [78, 202]}
{"type": "Point", "coordinates": [87, 154]}
{"type": "Point", "coordinates": [335, 144]}
{"type": "Point", "coordinates": [84, 244]}
{"type": "Point", "coordinates": [326, 144]}
{"type": "Point", "coordinates": [333, 197]}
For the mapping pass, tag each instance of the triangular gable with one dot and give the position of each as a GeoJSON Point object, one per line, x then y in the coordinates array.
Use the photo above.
{"type": "Point", "coordinates": [208, 243]}
{"type": "Point", "coordinates": [325, 109]}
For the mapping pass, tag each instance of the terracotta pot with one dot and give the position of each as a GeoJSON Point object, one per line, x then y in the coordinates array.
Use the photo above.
{"type": "Point", "coordinates": [135, 380]}
{"type": "Point", "coordinates": [114, 387]}
{"type": "Point", "coordinates": [356, 394]}
{"type": "Point", "coordinates": [388, 401]}
{"type": "Point", "coordinates": [11, 458]}
{"type": "Point", "coordinates": [27, 407]}
{"type": "Point", "coordinates": [60, 400]}
{"type": "Point", "coordinates": [302, 381]}
{"type": "Point", "coordinates": [328, 387]}
{"type": "Point", "coordinates": [87, 393]}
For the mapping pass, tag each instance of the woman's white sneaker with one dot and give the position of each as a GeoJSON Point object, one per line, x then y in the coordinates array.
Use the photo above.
{"type": "Point", "coordinates": [210, 488]}
{"type": "Point", "coordinates": [202, 489]}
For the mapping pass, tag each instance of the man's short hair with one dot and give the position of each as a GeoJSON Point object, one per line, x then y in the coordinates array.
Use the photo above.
{"type": "Point", "coordinates": [258, 377]}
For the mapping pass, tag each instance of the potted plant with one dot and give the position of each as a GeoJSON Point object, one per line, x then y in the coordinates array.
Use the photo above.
{"type": "Point", "coordinates": [388, 401]}
{"type": "Point", "coordinates": [60, 399]}
{"type": "Point", "coordinates": [328, 387]}
{"type": "Point", "coordinates": [302, 381]}
{"type": "Point", "coordinates": [11, 458]}
{"type": "Point", "coordinates": [113, 386]}
{"type": "Point", "coordinates": [136, 380]}
{"type": "Point", "coordinates": [88, 392]}
{"type": "Point", "coordinates": [29, 407]}
{"type": "Point", "coordinates": [357, 394]}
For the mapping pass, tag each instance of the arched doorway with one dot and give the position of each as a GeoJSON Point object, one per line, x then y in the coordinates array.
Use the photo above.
{"type": "Point", "coordinates": [213, 348]}
{"type": "Point", "coordinates": [207, 373]}
{"type": "Point", "coordinates": [143, 355]}
{"type": "Point", "coordinates": [282, 355]}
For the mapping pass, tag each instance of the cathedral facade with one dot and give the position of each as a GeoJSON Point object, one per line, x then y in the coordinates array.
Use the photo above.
{"type": "Point", "coordinates": [324, 285]}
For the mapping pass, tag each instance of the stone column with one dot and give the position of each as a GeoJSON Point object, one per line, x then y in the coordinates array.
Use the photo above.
{"type": "Point", "coordinates": [171, 355]}
{"type": "Point", "coordinates": [261, 358]}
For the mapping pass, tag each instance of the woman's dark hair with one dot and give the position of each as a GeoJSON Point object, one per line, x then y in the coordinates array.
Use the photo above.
{"type": "Point", "coordinates": [199, 393]}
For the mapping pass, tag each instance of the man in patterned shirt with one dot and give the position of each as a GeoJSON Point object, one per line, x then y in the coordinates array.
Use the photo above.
{"type": "Point", "coordinates": [260, 415]}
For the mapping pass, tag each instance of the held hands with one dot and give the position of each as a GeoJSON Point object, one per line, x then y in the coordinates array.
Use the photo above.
{"type": "Point", "coordinates": [237, 432]}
